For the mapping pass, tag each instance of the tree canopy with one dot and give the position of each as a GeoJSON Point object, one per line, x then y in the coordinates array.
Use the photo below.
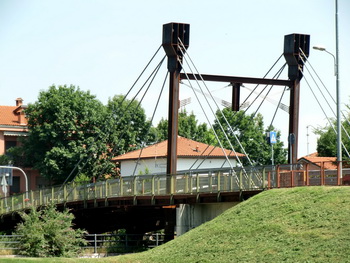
{"type": "Point", "coordinates": [248, 131]}
{"type": "Point", "coordinates": [71, 132]}
{"type": "Point", "coordinates": [128, 126]}
{"type": "Point", "coordinates": [66, 127]}
{"type": "Point", "coordinates": [327, 142]}
{"type": "Point", "coordinates": [188, 128]}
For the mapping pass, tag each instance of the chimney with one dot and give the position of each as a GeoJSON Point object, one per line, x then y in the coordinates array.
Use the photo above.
{"type": "Point", "coordinates": [19, 102]}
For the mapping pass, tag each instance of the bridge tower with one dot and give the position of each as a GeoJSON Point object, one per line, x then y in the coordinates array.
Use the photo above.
{"type": "Point", "coordinates": [294, 46]}
{"type": "Point", "coordinates": [173, 35]}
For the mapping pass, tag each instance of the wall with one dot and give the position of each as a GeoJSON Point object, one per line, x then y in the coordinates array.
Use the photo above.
{"type": "Point", "coordinates": [189, 216]}
{"type": "Point", "coordinates": [2, 143]}
{"type": "Point", "coordinates": [159, 165]}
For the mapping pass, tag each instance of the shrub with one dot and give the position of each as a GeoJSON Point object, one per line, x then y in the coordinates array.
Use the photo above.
{"type": "Point", "coordinates": [49, 233]}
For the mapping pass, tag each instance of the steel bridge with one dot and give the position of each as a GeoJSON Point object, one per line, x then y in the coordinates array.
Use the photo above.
{"type": "Point", "coordinates": [142, 204]}
{"type": "Point", "coordinates": [152, 202]}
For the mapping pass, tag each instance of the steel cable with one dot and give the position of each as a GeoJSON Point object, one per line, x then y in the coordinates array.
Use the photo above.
{"type": "Point", "coordinates": [111, 116]}
{"type": "Point", "coordinates": [324, 97]}
{"type": "Point", "coordinates": [329, 121]}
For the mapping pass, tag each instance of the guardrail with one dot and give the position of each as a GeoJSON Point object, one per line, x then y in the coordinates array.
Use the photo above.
{"type": "Point", "coordinates": [185, 182]}
{"type": "Point", "coordinates": [99, 243]}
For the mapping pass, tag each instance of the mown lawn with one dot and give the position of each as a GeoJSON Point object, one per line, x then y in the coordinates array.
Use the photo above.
{"type": "Point", "coordinates": [305, 224]}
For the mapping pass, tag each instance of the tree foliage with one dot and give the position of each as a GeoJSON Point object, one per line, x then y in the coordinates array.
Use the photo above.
{"type": "Point", "coordinates": [248, 131]}
{"type": "Point", "coordinates": [66, 125]}
{"type": "Point", "coordinates": [49, 233]}
{"type": "Point", "coordinates": [188, 128]}
{"type": "Point", "coordinates": [327, 142]}
{"type": "Point", "coordinates": [4, 160]}
{"type": "Point", "coordinates": [128, 127]}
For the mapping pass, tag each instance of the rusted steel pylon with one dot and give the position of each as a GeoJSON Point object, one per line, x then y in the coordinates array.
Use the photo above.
{"type": "Point", "coordinates": [292, 45]}
{"type": "Point", "coordinates": [173, 33]}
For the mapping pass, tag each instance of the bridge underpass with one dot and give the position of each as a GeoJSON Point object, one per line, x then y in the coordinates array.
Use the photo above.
{"type": "Point", "coordinates": [101, 208]}
{"type": "Point", "coordinates": [147, 214]}
{"type": "Point", "coordinates": [140, 204]}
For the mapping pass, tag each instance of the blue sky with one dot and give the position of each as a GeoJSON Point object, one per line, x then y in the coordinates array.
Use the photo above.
{"type": "Point", "coordinates": [102, 46]}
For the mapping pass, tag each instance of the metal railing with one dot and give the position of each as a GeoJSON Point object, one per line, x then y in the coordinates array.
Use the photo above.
{"type": "Point", "coordinates": [97, 243]}
{"type": "Point", "coordinates": [184, 182]}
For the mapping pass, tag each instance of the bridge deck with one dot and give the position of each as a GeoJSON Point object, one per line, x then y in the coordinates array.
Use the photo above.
{"type": "Point", "coordinates": [218, 185]}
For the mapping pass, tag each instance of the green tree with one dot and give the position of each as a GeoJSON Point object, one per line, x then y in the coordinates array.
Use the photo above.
{"type": "Point", "coordinates": [249, 131]}
{"type": "Point", "coordinates": [49, 233]}
{"type": "Point", "coordinates": [66, 125]}
{"type": "Point", "coordinates": [327, 142]}
{"type": "Point", "coordinates": [4, 160]}
{"type": "Point", "coordinates": [188, 128]}
{"type": "Point", "coordinates": [128, 128]}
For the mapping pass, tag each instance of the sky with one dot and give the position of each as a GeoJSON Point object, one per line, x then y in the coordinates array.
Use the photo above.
{"type": "Point", "coordinates": [102, 47]}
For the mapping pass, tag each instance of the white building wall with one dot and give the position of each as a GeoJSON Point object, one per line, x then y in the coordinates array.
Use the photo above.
{"type": "Point", "coordinates": [159, 165]}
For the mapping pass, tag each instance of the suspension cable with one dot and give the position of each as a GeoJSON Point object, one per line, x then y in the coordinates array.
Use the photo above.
{"type": "Point", "coordinates": [110, 117]}
{"type": "Point", "coordinates": [239, 161]}
{"type": "Point", "coordinates": [324, 86]}
{"type": "Point", "coordinates": [133, 85]}
{"type": "Point", "coordinates": [278, 73]}
{"type": "Point", "coordinates": [81, 159]}
{"type": "Point", "coordinates": [154, 73]}
{"type": "Point", "coordinates": [325, 97]}
{"type": "Point", "coordinates": [208, 105]}
{"type": "Point", "coordinates": [202, 80]}
{"type": "Point", "coordinates": [279, 103]}
{"type": "Point", "coordinates": [152, 118]}
{"type": "Point", "coordinates": [264, 76]}
{"type": "Point", "coordinates": [206, 116]}
{"type": "Point", "coordinates": [329, 121]}
{"type": "Point", "coordinates": [205, 157]}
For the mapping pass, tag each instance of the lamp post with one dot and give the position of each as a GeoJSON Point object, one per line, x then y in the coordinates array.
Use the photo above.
{"type": "Point", "coordinates": [307, 137]}
{"type": "Point", "coordinates": [339, 140]}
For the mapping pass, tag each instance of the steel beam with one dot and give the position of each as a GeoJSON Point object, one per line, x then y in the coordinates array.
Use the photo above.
{"type": "Point", "coordinates": [236, 90]}
{"type": "Point", "coordinates": [173, 119]}
{"type": "Point", "coordinates": [294, 122]}
{"type": "Point", "coordinates": [233, 79]}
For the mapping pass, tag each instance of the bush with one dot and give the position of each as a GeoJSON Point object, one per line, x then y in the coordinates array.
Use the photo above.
{"type": "Point", "coordinates": [49, 233]}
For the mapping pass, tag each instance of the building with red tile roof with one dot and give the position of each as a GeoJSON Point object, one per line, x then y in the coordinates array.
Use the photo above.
{"type": "Point", "coordinates": [13, 125]}
{"type": "Point", "coordinates": [190, 154]}
{"type": "Point", "coordinates": [316, 161]}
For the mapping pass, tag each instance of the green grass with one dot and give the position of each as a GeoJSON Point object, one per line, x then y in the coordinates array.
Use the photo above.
{"type": "Point", "coordinates": [306, 224]}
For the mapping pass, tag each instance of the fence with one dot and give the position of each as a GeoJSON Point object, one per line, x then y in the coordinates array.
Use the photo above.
{"type": "Point", "coordinates": [98, 243]}
{"type": "Point", "coordinates": [184, 182]}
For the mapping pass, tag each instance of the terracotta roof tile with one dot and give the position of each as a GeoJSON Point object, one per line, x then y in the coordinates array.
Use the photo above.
{"type": "Point", "coordinates": [186, 148]}
{"type": "Point", "coordinates": [8, 116]}
{"type": "Point", "coordinates": [329, 162]}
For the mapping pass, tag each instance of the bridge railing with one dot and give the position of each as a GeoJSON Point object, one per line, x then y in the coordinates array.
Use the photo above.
{"type": "Point", "coordinates": [184, 182]}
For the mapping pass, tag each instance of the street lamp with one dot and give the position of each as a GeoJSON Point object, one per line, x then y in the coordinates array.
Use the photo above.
{"type": "Point", "coordinates": [339, 140]}
{"type": "Point", "coordinates": [335, 60]}
{"type": "Point", "coordinates": [307, 137]}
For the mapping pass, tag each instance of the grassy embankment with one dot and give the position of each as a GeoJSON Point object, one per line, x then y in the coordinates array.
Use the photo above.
{"type": "Point", "coordinates": [306, 224]}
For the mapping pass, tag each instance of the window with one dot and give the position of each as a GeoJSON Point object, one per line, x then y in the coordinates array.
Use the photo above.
{"type": "Point", "coordinates": [9, 144]}
{"type": "Point", "coordinates": [15, 187]}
